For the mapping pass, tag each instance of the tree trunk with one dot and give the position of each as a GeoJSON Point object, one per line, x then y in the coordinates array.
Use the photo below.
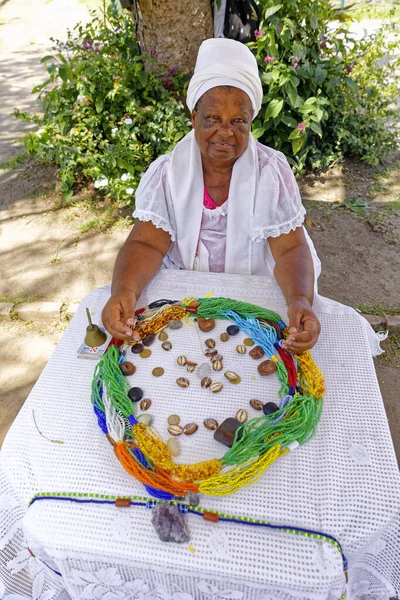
{"type": "Point", "coordinates": [174, 30]}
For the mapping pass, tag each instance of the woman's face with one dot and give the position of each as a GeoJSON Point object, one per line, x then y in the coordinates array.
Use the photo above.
{"type": "Point", "coordinates": [222, 124]}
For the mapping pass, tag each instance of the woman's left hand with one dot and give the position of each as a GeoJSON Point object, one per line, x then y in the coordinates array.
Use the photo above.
{"type": "Point", "coordinates": [304, 326]}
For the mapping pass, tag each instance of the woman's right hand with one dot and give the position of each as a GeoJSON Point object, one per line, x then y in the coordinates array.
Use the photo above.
{"type": "Point", "coordinates": [119, 314]}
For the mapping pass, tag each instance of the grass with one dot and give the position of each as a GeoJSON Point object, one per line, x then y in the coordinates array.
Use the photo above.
{"type": "Point", "coordinates": [377, 309]}
{"type": "Point", "coordinates": [391, 356]}
{"type": "Point", "coordinates": [383, 10]}
{"type": "Point", "coordinates": [15, 301]}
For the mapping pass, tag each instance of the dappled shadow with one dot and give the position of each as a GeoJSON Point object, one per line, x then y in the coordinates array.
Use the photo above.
{"type": "Point", "coordinates": [11, 403]}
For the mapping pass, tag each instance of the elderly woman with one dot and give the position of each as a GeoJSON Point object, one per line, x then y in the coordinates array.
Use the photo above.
{"type": "Point", "coordinates": [220, 201]}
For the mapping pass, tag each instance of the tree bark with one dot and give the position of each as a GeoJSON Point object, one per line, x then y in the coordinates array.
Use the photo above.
{"type": "Point", "coordinates": [174, 30]}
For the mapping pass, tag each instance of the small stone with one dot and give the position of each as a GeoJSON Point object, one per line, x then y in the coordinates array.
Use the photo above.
{"type": "Point", "coordinates": [248, 342]}
{"type": "Point", "coordinates": [216, 387]}
{"type": "Point", "coordinates": [175, 324]}
{"type": "Point", "coordinates": [137, 348]}
{"type": "Point", "coordinates": [232, 330]}
{"type": "Point", "coordinates": [267, 367]}
{"type": "Point", "coordinates": [145, 418]}
{"type": "Point", "coordinates": [217, 365]}
{"type": "Point", "coordinates": [173, 446]}
{"type": "Point", "coordinates": [166, 346]}
{"type": "Point", "coordinates": [241, 348]}
{"type": "Point", "coordinates": [145, 353]}
{"type": "Point", "coordinates": [127, 368]}
{"type": "Point", "coordinates": [193, 499]}
{"type": "Point", "coordinates": [163, 336]}
{"type": "Point", "coordinates": [256, 404]}
{"type": "Point", "coordinates": [210, 352]}
{"type": "Point", "coordinates": [210, 424]}
{"type": "Point", "coordinates": [135, 394]}
{"type": "Point", "coordinates": [194, 304]}
{"type": "Point", "coordinates": [183, 382]}
{"type": "Point", "coordinates": [241, 415]}
{"type": "Point", "coordinates": [210, 343]}
{"type": "Point", "coordinates": [190, 428]}
{"type": "Point", "coordinates": [226, 431]}
{"type": "Point", "coordinates": [170, 524]}
{"type": "Point", "coordinates": [204, 370]}
{"type": "Point", "coordinates": [145, 404]}
{"type": "Point", "coordinates": [174, 420]}
{"type": "Point", "coordinates": [224, 337]}
{"type": "Point", "coordinates": [232, 376]}
{"type": "Point", "coordinates": [257, 352]}
{"type": "Point", "coordinates": [175, 429]}
{"type": "Point", "coordinates": [149, 339]}
{"type": "Point", "coordinates": [206, 382]}
{"type": "Point", "coordinates": [158, 371]}
{"type": "Point", "coordinates": [190, 368]}
{"type": "Point", "coordinates": [205, 325]}
{"type": "Point", "coordinates": [181, 360]}
{"type": "Point", "coordinates": [269, 408]}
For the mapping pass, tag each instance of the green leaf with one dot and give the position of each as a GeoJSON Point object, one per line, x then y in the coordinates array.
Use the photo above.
{"type": "Point", "coordinates": [291, 92]}
{"type": "Point", "coordinates": [315, 127]}
{"type": "Point", "coordinates": [257, 132]}
{"type": "Point", "coordinates": [333, 82]}
{"type": "Point", "coordinates": [99, 104]}
{"type": "Point", "coordinates": [273, 109]}
{"type": "Point", "coordinates": [38, 88]}
{"type": "Point", "coordinates": [143, 77]}
{"type": "Point", "coordinates": [63, 72]}
{"type": "Point", "coordinates": [310, 101]}
{"type": "Point", "coordinates": [48, 57]}
{"type": "Point", "coordinates": [351, 83]}
{"type": "Point", "coordinates": [289, 121]}
{"type": "Point", "coordinates": [297, 144]}
{"type": "Point", "coordinates": [272, 10]}
{"type": "Point", "coordinates": [320, 74]}
{"type": "Point", "coordinates": [314, 21]}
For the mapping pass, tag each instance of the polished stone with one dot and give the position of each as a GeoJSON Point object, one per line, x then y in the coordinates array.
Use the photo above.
{"type": "Point", "coordinates": [137, 348]}
{"type": "Point", "coordinates": [175, 324]}
{"type": "Point", "coordinates": [269, 408]}
{"type": "Point", "coordinates": [174, 420]}
{"type": "Point", "coordinates": [170, 524]}
{"type": "Point", "coordinates": [224, 337]}
{"type": "Point", "coordinates": [205, 324]}
{"type": "Point", "coordinates": [127, 368]}
{"type": "Point", "coordinates": [257, 352]}
{"type": "Point", "coordinates": [248, 342]}
{"type": "Point", "coordinates": [145, 418]}
{"type": "Point", "coordinates": [149, 339]}
{"type": "Point", "coordinates": [158, 371]}
{"type": "Point", "coordinates": [173, 446]}
{"type": "Point", "coordinates": [267, 367]}
{"type": "Point", "coordinates": [163, 336]}
{"type": "Point", "coordinates": [232, 329]}
{"type": "Point", "coordinates": [226, 431]}
{"type": "Point", "coordinates": [145, 353]}
{"type": "Point", "coordinates": [204, 370]}
{"type": "Point", "coordinates": [135, 394]}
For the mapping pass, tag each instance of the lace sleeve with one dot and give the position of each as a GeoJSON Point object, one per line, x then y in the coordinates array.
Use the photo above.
{"type": "Point", "coordinates": [151, 198]}
{"type": "Point", "coordinates": [278, 207]}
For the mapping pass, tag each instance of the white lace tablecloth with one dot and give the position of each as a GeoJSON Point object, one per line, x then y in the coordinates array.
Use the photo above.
{"type": "Point", "coordinates": [344, 482]}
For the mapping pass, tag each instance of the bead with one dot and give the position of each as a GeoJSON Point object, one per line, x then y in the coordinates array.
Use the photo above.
{"type": "Point", "coordinates": [189, 309]}
{"type": "Point", "coordinates": [137, 348]}
{"type": "Point", "coordinates": [205, 325]}
{"type": "Point", "coordinates": [166, 346]}
{"type": "Point", "coordinates": [269, 408]}
{"type": "Point", "coordinates": [190, 428]}
{"type": "Point", "coordinates": [174, 420]}
{"type": "Point", "coordinates": [145, 404]}
{"type": "Point", "coordinates": [226, 431]}
{"type": "Point", "coordinates": [206, 382]}
{"type": "Point", "coordinates": [224, 337]}
{"type": "Point", "coordinates": [175, 324]}
{"type": "Point", "coordinates": [194, 304]}
{"type": "Point", "coordinates": [267, 367]}
{"type": "Point", "coordinates": [135, 394]}
{"type": "Point", "coordinates": [232, 376]}
{"type": "Point", "coordinates": [210, 352]}
{"type": "Point", "coordinates": [122, 502]}
{"type": "Point", "coordinates": [248, 342]}
{"type": "Point", "coordinates": [127, 368]}
{"type": "Point", "coordinates": [216, 387]}
{"type": "Point", "coordinates": [210, 343]}
{"type": "Point", "coordinates": [163, 336]}
{"type": "Point", "coordinates": [145, 353]}
{"type": "Point", "coordinates": [190, 368]}
{"type": "Point", "coordinates": [217, 365]}
{"type": "Point", "coordinates": [241, 348]}
{"type": "Point", "coordinates": [232, 329]}
{"type": "Point", "coordinates": [183, 382]}
{"type": "Point", "coordinates": [173, 446]}
{"type": "Point", "coordinates": [181, 360]}
{"type": "Point", "coordinates": [175, 429]}
{"type": "Point", "coordinates": [193, 499]}
{"type": "Point", "coordinates": [145, 418]}
{"type": "Point", "coordinates": [158, 371]}
{"type": "Point", "coordinates": [257, 352]}
{"type": "Point", "coordinates": [149, 339]}
{"type": "Point", "coordinates": [209, 516]}
{"type": "Point", "coordinates": [256, 404]}
{"type": "Point", "coordinates": [204, 370]}
{"type": "Point", "coordinates": [210, 424]}
{"type": "Point", "coordinates": [241, 415]}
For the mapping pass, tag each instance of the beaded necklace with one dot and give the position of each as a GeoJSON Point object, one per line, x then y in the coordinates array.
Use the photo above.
{"type": "Point", "coordinates": [257, 443]}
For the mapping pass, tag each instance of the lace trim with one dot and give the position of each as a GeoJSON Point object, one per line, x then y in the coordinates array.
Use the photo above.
{"type": "Point", "coordinates": [157, 221]}
{"type": "Point", "coordinates": [261, 234]}
{"type": "Point", "coordinates": [216, 212]}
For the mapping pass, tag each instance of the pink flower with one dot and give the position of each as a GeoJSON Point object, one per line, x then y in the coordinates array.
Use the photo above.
{"type": "Point", "coordinates": [322, 46]}
{"type": "Point", "coordinates": [174, 70]}
{"type": "Point", "coordinates": [296, 62]}
{"type": "Point", "coordinates": [268, 59]}
{"type": "Point", "coordinates": [301, 127]}
{"type": "Point", "coordinates": [278, 29]}
{"type": "Point", "coordinates": [87, 44]}
{"type": "Point", "coordinates": [152, 52]}
{"type": "Point", "coordinates": [257, 32]}
{"type": "Point", "coordinates": [167, 83]}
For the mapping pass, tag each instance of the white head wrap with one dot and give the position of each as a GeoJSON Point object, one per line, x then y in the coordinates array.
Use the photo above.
{"type": "Point", "coordinates": [225, 62]}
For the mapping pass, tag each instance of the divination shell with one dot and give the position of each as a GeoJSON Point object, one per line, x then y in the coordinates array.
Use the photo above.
{"type": "Point", "coordinates": [145, 418]}
{"type": "Point", "coordinates": [174, 420]}
{"type": "Point", "coordinates": [210, 352]}
{"type": "Point", "coordinates": [158, 371]}
{"type": "Point", "coordinates": [241, 415]}
{"type": "Point", "coordinates": [190, 368]}
{"type": "Point", "coordinates": [127, 368]}
{"type": "Point", "coordinates": [269, 408]}
{"type": "Point", "coordinates": [241, 348]}
{"type": "Point", "coordinates": [145, 404]}
{"type": "Point", "coordinates": [267, 367]}
{"type": "Point", "coordinates": [256, 404]}
{"type": "Point", "coordinates": [205, 325]}
{"type": "Point", "coordinates": [248, 342]}
{"type": "Point", "coordinates": [149, 339]}
{"type": "Point", "coordinates": [210, 343]}
{"type": "Point", "coordinates": [217, 357]}
{"type": "Point", "coordinates": [183, 382]}
{"type": "Point", "coordinates": [163, 336]}
{"type": "Point", "coordinates": [257, 352]}
{"type": "Point", "coordinates": [190, 428]}
{"type": "Point", "coordinates": [210, 424]}
{"type": "Point", "coordinates": [145, 353]}
{"type": "Point", "coordinates": [175, 430]}
{"type": "Point", "coordinates": [232, 376]}
{"type": "Point", "coordinates": [137, 348]}
{"type": "Point", "coordinates": [166, 346]}
{"type": "Point", "coordinates": [203, 371]}
{"type": "Point", "coordinates": [135, 394]}
{"type": "Point", "coordinates": [175, 324]}
{"type": "Point", "coordinates": [224, 337]}
{"type": "Point", "coordinates": [216, 387]}
{"type": "Point", "coordinates": [232, 329]}
{"type": "Point", "coordinates": [181, 360]}
{"type": "Point", "coordinates": [217, 365]}
{"type": "Point", "coordinates": [206, 382]}
{"type": "Point", "coordinates": [173, 447]}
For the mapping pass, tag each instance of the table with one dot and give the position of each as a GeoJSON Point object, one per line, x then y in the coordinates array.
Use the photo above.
{"type": "Point", "coordinates": [344, 482]}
